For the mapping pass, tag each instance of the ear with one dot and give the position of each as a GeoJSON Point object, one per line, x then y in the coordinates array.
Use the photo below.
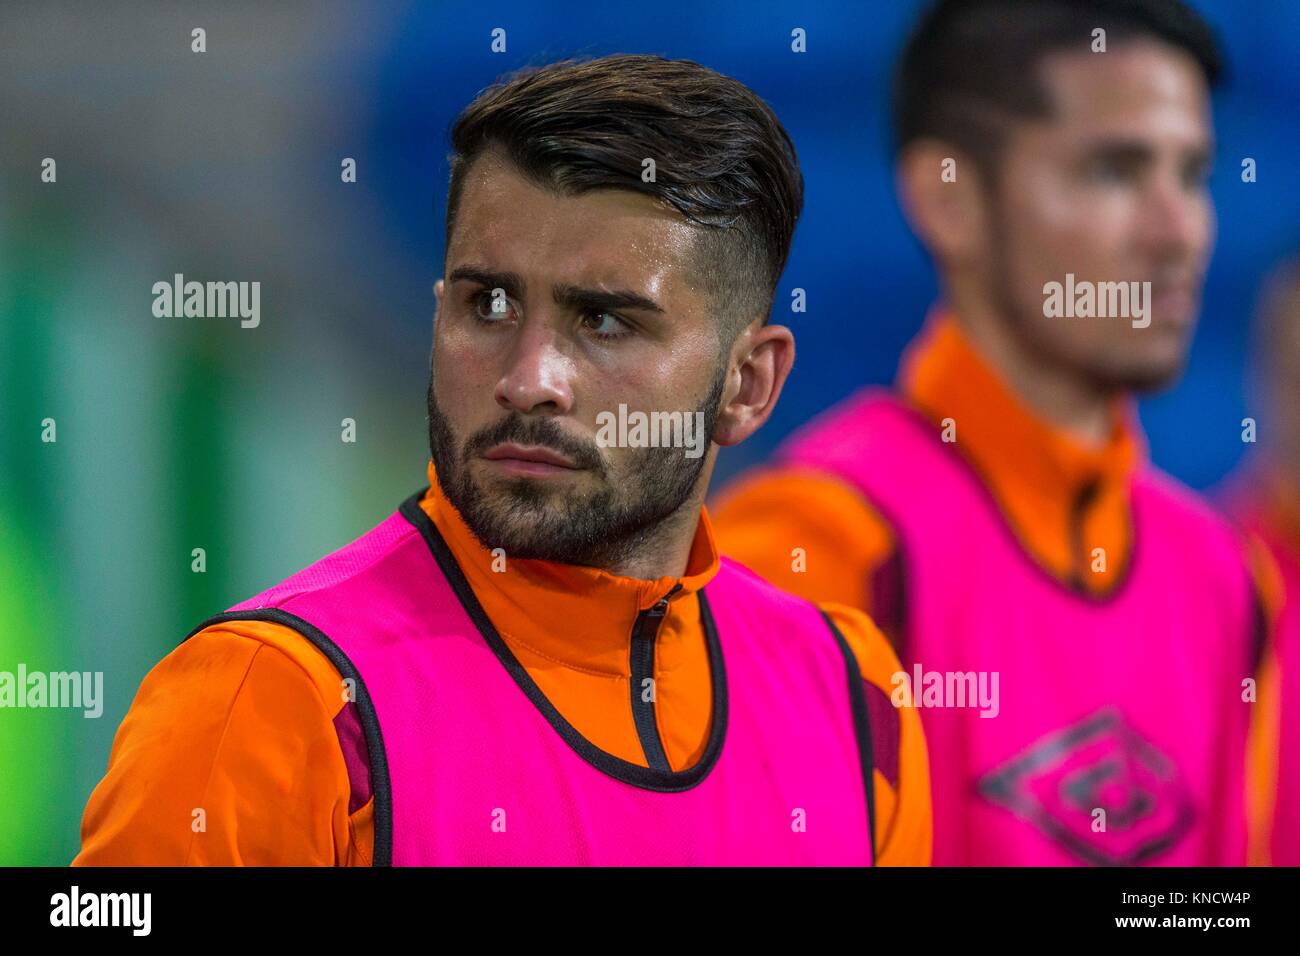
{"type": "Point", "coordinates": [760, 362]}
{"type": "Point", "coordinates": [942, 194]}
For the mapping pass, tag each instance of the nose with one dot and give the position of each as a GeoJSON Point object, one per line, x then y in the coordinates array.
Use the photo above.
{"type": "Point", "coordinates": [537, 372]}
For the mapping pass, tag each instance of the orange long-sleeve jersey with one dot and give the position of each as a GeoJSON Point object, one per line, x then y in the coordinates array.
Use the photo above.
{"type": "Point", "coordinates": [230, 755]}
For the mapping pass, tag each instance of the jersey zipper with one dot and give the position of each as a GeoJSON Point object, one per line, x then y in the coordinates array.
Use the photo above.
{"type": "Point", "coordinates": [644, 632]}
{"type": "Point", "coordinates": [1079, 513]}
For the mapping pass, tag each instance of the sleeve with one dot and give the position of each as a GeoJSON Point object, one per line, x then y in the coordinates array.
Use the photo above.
{"type": "Point", "coordinates": [228, 756]}
{"type": "Point", "coordinates": [904, 827]}
{"type": "Point", "coordinates": [1266, 738]}
{"type": "Point", "coordinates": [808, 533]}
{"type": "Point", "coordinates": [1270, 594]}
{"type": "Point", "coordinates": [1262, 754]}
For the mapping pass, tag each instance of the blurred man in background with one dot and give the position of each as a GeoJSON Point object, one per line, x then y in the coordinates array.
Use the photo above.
{"type": "Point", "coordinates": [1264, 495]}
{"type": "Point", "coordinates": [996, 511]}
{"type": "Point", "coordinates": [539, 659]}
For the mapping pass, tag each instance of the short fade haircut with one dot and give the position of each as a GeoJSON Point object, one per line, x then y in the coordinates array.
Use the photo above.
{"type": "Point", "coordinates": [970, 68]}
{"type": "Point", "coordinates": [722, 159]}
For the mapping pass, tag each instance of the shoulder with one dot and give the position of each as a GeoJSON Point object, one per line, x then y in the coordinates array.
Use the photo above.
{"type": "Point", "coordinates": [1186, 515]}
{"type": "Point", "coordinates": [875, 655]}
{"type": "Point", "coordinates": [843, 425]}
{"type": "Point", "coordinates": [234, 728]}
{"type": "Point", "coordinates": [807, 531]}
{"type": "Point", "coordinates": [363, 560]}
{"type": "Point", "coordinates": [793, 494]}
{"type": "Point", "coordinates": [223, 653]}
{"type": "Point", "coordinates": [1167, 492]}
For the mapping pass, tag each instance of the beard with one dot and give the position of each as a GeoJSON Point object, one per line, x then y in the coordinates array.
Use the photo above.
{"type": "Point", "coordinates": [1136, 379]}
{"type": "Point", "coordinates": [529, 519]}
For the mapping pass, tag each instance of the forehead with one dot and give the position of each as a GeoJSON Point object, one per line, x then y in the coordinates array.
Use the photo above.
{"type": "Point", "coordinates": [606, 236]}
{"type": "Point", "coordinates": [1138, 88]}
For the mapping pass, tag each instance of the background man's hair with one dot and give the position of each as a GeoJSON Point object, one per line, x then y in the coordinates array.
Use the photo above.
{"type": "Point", "coordinates": [722, 159]}
{"type": "Point", "coordinates": [970, 68]}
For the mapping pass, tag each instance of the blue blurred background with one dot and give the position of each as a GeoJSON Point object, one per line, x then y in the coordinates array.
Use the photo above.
{"type": "Point", "coordinates": [182, 433]}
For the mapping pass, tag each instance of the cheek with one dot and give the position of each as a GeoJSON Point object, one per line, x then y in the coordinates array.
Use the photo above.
{"type": "Point", "coordinates": [462, 378]}
{"type": "Point", "coordinates": [666, 376]}
{"type": "Point", "coordinates": [1207, 227]}
{"type": "Point", "coordinates": [1060, 228]}
{"type": "Point", "coordinates": [464, 355]}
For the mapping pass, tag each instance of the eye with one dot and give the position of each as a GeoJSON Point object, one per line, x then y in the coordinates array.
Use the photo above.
{"type": "Point", "coordinates": [605, 325]}
{"type": "Point", "coordinates": [1196, 174]}
{"type": "Point", "coordinates": [1111, 170]}
{"type": "Point", "coordinates": [490, 305]}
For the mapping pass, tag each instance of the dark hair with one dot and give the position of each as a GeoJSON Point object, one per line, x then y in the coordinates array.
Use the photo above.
{"type": "Point", "coordinates": [971, 66]}
{"type": "Point", "coordinates": [722, 159]}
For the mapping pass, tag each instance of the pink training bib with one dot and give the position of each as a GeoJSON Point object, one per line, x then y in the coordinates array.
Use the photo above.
{"type": "Point", "coordinates": [1119, 730]}
{"type": "Point", "coordinates": [470, 764]}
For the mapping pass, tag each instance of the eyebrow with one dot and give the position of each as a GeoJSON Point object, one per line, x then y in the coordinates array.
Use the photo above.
{"type": "Point", "coordinates": [600, 300]}
{"type": "Point", "coordinates": [509, 282]}
{"type": "Point", "coordinates": [1138, 151]}
{"type": "Point", "coordinates": [566, 294]}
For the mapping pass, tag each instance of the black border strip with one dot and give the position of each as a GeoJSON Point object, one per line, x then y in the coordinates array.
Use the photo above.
{"type": "Point", "coordinates": [642, 666]}
{"type": "Point", "coordinates": [646, 778]}
{"type": "Point", "coordinates": [380, 784]}
{"type": "Point", "coordinates": [862, 726]}
{"type": "Point", "coordinates": [1262, 625]}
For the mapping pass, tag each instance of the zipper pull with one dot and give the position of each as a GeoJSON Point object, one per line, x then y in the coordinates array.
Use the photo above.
{"type": "Point", "coordinates": [660, 607]}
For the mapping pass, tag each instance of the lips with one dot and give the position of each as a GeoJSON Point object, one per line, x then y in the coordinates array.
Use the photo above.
{"type": "Point", "coordinates": [528, 459]}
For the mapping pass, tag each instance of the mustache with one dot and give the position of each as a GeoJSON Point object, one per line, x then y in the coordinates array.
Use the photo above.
{"type": "Point", "coordinates": [543, 432]}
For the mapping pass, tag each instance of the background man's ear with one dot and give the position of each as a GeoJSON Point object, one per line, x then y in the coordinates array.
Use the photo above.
{"type": "Point", "coordinates": [942, 195]}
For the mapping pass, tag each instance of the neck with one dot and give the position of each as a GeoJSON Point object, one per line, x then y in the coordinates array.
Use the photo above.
{"type": "Point", "coordinates": [665, 550]}
{"type": "Point", "coordinates": [1056, 393]}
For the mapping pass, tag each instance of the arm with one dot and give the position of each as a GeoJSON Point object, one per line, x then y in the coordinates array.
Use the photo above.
{"type": "Point", "coordinates": [904, 831]}
{"type": "Point", "coordinates": [228, 756]}
{"type": "Point", "coordinates": [762, 519]}
{"type": "Point", "coordinates": [1266, 739]}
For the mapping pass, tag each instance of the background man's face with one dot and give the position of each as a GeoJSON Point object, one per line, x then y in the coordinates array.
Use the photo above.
{"type": "Point", "coordinates": [594, 309]}
{"type": "Point", "coordinates": [1280, 365]}
{"type": "Point", "coordinates": [1111, 188]}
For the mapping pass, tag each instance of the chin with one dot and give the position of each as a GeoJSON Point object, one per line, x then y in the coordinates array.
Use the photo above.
{"type": "Point", "coordinates": [1143, 379]}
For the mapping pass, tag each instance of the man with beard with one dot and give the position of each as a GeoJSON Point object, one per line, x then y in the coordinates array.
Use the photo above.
{"type": "Point", "coordinates": [995, 512]}
{"type": "Point", "coordinates": [542, 659]}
